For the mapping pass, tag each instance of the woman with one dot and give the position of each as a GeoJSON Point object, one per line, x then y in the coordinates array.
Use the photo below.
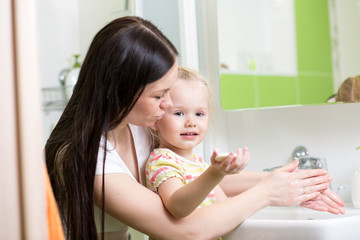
{"type": "Point", "coordinates": [123, 87]}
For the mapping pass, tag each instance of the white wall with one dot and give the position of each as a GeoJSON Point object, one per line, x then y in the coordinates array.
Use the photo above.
{"type": "Point", "coordinates": [165, 15]}
{"type": "Point", "coordinates": [58, 38]}
{"type": "Point", "coordinates": [58, 34]}
{"type": "Point", "coordinates": [95, 14]}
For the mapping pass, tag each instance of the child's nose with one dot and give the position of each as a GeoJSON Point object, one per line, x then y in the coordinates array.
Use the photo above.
{"type": "Point", "coordinates": [190, 122]}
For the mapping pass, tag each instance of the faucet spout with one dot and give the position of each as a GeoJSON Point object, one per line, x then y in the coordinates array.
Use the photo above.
{"type": "Point", "coordinates": [309, 162]}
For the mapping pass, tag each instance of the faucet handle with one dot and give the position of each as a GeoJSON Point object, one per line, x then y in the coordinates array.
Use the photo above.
{"type": "Point", "coordinates": [299, 152]}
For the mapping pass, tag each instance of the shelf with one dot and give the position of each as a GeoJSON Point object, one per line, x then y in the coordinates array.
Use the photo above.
{"type": "Point", "coordinates": [53, 99]}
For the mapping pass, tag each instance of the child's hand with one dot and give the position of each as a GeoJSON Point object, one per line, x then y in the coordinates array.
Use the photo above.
{"type": "Point", "coordinates": [232, 163]}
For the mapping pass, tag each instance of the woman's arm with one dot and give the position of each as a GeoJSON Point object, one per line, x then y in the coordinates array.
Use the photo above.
{"type": "Point", "coordinates": [140, 208]}
{"type": "Point", "coordinates": [180, 199]}
{"type": "Point", "coordinates": [235, 184]}
{"type": "Point", "coordinates": [238, 183]}
{"type": "Point", "coordinates": [219, 193]}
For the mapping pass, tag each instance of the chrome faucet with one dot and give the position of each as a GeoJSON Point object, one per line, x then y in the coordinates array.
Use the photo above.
{"type": "Point", "coordinates": [312, 163]}
{"type": "Point", "coordinates": [306, 161]}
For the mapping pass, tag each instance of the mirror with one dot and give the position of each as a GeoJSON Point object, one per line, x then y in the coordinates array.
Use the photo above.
{"type": "Point", "coordinates": [285, 52]}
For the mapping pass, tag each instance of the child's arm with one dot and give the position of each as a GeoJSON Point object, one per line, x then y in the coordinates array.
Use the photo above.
{"type": "Point", "coordinates": [181, 199]}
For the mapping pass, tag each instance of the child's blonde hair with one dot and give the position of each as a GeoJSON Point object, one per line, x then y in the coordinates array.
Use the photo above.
{"type": "Point", "coordinates": [349, 91]}
{"type": "Point", "coordinates": [186, 74]}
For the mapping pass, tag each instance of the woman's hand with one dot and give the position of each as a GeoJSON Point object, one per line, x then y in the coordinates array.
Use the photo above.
{"type": "Point", "coordinates": [287, 187]}
{"type": "Point", "coordinates": [327, 201]}
{"type": "Point", "coordinates": [232, 163]}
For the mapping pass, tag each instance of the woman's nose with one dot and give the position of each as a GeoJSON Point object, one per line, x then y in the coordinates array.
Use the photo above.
{"type": "Point", "coordinates": [166, 101]}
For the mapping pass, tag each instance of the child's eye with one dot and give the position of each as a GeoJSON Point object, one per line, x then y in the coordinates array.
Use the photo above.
{"type": "Point", "coordinates": [179, 113]}
{"type": "Point", "coordinates": [199, 114]}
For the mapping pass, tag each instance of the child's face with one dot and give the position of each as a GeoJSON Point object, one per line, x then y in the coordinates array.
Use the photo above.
{"type": "Point", "coordinates": [185, 123]}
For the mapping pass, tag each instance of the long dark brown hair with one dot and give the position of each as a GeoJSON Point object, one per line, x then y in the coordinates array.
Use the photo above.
{"type": "Point", "coordinates": [123, 57]}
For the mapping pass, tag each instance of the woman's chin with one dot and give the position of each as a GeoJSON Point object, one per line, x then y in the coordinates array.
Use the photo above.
{"type": "Point", "coordinates": [150, 124]}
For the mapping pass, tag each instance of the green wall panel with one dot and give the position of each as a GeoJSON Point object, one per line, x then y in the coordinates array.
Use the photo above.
{"type": "Point", "coordinates": [315, 89]}
{"type": "Point", "coordinates": [237, 91]}
{"type": "Point", "coordinates": [276, 91]}
{"type": "Point", "coordinates": [313, 35]}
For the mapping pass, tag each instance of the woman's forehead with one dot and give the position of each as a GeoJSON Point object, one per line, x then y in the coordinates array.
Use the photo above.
{"type": "Point", "coordinates": [165, 82]}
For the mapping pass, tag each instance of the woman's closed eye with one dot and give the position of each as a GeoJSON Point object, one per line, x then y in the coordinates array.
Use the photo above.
{"type": "Point", "coordinates": [160, 97]}
{"type": "Point", "coordinates": [163, 94]}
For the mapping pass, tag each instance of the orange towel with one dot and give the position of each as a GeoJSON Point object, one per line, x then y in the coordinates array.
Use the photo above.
{"type": "Point", "coordinates": [55, 228]}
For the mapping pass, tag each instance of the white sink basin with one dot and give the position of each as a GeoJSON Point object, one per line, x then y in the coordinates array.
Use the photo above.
{"type": "Point", "coordinates": [297, 223]}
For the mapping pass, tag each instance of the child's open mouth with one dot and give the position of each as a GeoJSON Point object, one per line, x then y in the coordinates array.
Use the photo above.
{"type": "Point", "coordinates": [189, 134]}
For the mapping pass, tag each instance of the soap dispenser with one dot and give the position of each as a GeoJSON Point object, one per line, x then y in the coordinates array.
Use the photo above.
{"type": "Point", "coordinates": [72, 78]}
{"type": "Point", "coordinates": [355, 188]}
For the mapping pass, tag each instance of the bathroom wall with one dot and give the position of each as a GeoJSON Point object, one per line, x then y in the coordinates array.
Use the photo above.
{"type": "Point", "coordinates": [58, 34]}
{"type": "Point", "coordinates": [167, 21]}
{"type": "Point", "coordinates": [58, 29]}
{"type": "Point", "coordinates": [329, 131]}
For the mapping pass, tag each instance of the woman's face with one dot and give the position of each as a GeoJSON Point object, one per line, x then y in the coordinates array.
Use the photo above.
{"type": "Point", "coordinates": [151, 105]}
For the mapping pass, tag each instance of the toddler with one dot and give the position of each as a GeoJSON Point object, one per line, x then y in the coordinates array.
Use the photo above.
{"type": "Point", "coordinates": [183, 180]}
